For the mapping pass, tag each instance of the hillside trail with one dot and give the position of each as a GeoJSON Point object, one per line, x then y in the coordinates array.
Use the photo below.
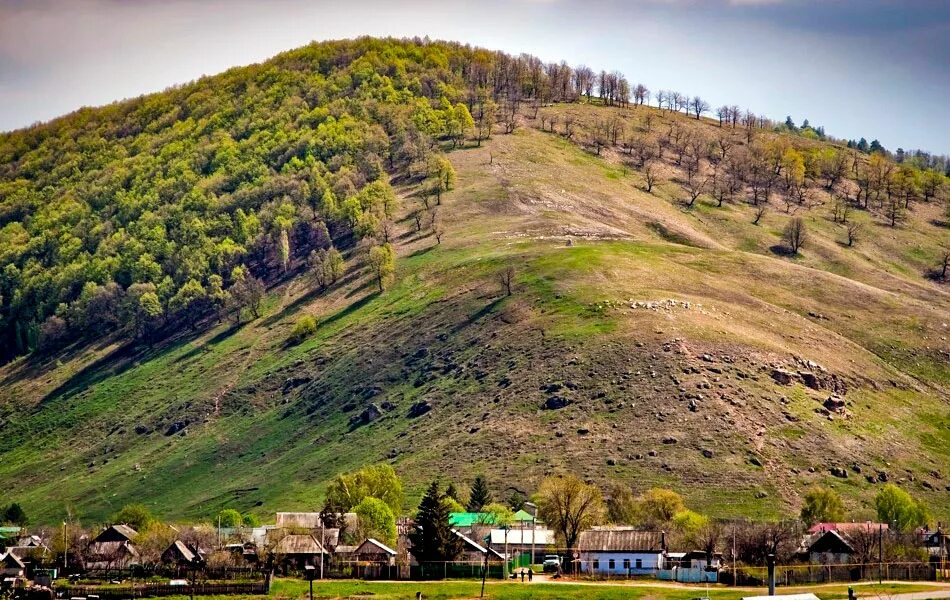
{"type": "Point", "coordinates": [251, 355]}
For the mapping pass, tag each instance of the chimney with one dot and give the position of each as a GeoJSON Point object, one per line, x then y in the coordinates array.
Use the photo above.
{"type": "Point", "coordinates": [770, 560]}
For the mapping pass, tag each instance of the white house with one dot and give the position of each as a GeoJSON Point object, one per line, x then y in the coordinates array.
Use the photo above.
{"type": "Point", "coordinates": [621, 551]}
{"type": "Point", "coordinates": [523, 541]}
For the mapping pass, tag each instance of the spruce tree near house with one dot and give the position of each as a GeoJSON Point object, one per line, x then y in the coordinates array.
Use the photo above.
{"type": "Point", "coordinates": [480, 495]}
{"type": "Point", "coordinates": [433, 540]}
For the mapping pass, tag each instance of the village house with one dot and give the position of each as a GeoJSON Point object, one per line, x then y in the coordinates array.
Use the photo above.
{"type": "Point", "coordinates": [373, 551]}
{"type": "Point", "coordinates": [621, 551]}
{"type": "Point", "coordinates": [837, 543]}
{"type": "Point", "coordinates": [474, 552]}
{"type": "Point", "coordinates": [534, 542]}
{"type": "Point", "coordinates": [11, 566]}
{"type": "Point", "coordinates": [180, 555]}
{"type": "Point", "coordinates": [113, 549]}
{"type": "Point", "coordinates": [829, 548]}
{"type": "Point", "coordinates": [296, 551]}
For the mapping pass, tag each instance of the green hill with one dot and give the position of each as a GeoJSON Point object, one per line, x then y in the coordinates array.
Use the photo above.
{"type": "Point", "coordinates": [650, 338]}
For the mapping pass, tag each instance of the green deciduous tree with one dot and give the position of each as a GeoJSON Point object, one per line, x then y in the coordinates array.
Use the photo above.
{"type": "Point", "coordinates": [382, 263]}
{"type": "Point", "coordinates": [375, 519]}
{"type": "Point", "coordinates": [377, 481]}
{"type": "Point", "coordinates": [569, 506]}
{"type": "Point", "coordinates": [899, 509]}
{"type": "Point", "coordinates": [136, 516]}
{"type": "Point", "coordinates": [229, 518]}
{"type": "Point", "coordinates": [658, 506]}
{"type": "Point", "coordinates": [822, 505]}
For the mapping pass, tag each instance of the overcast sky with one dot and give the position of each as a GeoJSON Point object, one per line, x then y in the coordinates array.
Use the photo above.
{"type": "Point", "coordinates": [873, 68]}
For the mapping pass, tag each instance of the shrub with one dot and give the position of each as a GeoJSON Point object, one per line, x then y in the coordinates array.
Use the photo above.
{"type": "Point", "coordinates": [304, 328]}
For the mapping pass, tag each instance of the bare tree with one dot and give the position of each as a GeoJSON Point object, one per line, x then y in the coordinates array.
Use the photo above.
{"type": "Point", "coordinates": [506, 277]}
{"type": "Point", "coordinates": [854, 231]}
{"type": "Point", "coordinates": [760, 211]}
{"type": "Point", "coordinates": [695, 186]}
{"type": "Point", "coordinates": [724, 113]}
{"type": "Point", "coordinates": [944, 261]}
{"type": "Point", "coordinates": [650, 174]}
{"type": "Point", "coordinates": [698, 106]}
{"type": "Point", "coordinates": [795, 234]}
{"type": "Point", "coordinates": [569, 122]}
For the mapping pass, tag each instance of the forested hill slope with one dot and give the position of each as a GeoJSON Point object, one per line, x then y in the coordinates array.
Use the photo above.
{"type": "Point", "coordinates": [461, 262]}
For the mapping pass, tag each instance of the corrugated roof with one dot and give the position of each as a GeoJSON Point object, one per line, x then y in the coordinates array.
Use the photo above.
{"type": "Point", "coordinates": [620, 540]}
{"type": "Point", "coordinates": [847, 527]}
{"type": "Point", "coordinates": [374, 546]}
{"type": "Point", "coordinates": [299, 544]}
{"type": "Point", "coordinates": [473, 545]}
{"type": "Point", "coordinates": [11, 558]}
{"type": "Point", "coordinates": [183, 551]}
{"type": "Point", "coordinates": [306, 520]}
{"type": "Point", "coordinates": [540, 537]}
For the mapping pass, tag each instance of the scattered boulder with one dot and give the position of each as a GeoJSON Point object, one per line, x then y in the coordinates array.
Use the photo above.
{"type": "Point", "coordinates": [294, 382]}
{"type": "Point", "coordinates": [834, 403]}
{"type": "Point", "coordinates": [707, 453]}
{"type": "Point", "coordinates": [555, 402]}
{"type": "Point", "coordinates": [141, 429]}
{"type": "Point", "coordinates": [755, 461]}
{"type": "Point", "coordinates": [782, 376]}
{"type": "Point", "coordinates": [176, 427]}
{"type": "Point", "coordinates": [670, 440]}
{"type": "Point", "coordinates": [366, 416]}
{"type": "Point", "coordinates": [810, 379]}
{"type": "Point", "coordinates": [419, 408]}
{"type": "Point", "coordinates": [583, 431]}
{"type": "Point", "coordinates": [839, 472]}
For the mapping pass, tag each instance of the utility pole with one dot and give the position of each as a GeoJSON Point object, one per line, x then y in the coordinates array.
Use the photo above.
{"type": "Point", "coordinates": [734, 557]}
{"type": "Point", "coordinates": [323, 541]}
{"type": "Point", "coordinates": [65, 548]}
{"type": "Point", "coordinates": [880, 552]}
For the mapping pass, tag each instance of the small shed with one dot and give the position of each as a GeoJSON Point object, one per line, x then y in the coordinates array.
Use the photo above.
{"type": "Point", "coordinates": [116, 533]}
{"type": "Point", "coordinates": [374, 551]}
{"type": "Point", "coordinates": [179, 554]}
{"type": "Point", "coordinates": [298, 550]}
{"type": "Point", "coordinates": [11, 565]}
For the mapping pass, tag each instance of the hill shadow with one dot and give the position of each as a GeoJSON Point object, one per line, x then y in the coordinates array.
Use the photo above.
{"type": "Point", "coordinates": [349, 309]}
{"type": "Point", "coordinates": [114, 363]}
{"type": "Point", "coordinates": [479, 314]}
{"type": "Point", "coordinates": [780, 250]}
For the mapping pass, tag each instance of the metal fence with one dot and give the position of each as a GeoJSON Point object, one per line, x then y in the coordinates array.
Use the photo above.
{"type": "Point", "coordinates": [788, 575]}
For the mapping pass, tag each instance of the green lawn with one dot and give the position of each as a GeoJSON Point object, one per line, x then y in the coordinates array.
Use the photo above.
{"type": "Point", "coordinates": [294, 589]}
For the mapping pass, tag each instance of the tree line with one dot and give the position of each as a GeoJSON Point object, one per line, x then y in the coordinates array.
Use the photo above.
{"type": "Point", "coordinates": [180, 208]}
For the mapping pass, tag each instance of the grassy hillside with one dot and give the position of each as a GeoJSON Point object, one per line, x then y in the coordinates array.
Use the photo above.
{"type": "Point", "coordinates": [645, 342]}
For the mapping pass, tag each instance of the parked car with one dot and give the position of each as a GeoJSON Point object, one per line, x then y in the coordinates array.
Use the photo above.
{"type": "Point", "coordinates": [551, 564]}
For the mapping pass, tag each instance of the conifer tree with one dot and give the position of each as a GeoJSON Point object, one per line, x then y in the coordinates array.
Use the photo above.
{"type": "Point", "coordinates": [480, 495]}
{"type": "Point", "coordinates": [433, 539]}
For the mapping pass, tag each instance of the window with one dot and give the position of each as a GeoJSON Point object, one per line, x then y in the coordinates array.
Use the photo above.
{"type": "Point", "coordinates": [611, 564]}
{"type": "Point", "coordinates": [596, 564]}
{"type": "Point", "coordinates": [639, 563]}
{"type": "Point", "coordinates": [626, 564]}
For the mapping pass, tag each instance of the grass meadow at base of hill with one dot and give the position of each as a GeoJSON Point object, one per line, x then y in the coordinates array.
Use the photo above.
{"type": "Point", "coordinates": [292, 589]}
